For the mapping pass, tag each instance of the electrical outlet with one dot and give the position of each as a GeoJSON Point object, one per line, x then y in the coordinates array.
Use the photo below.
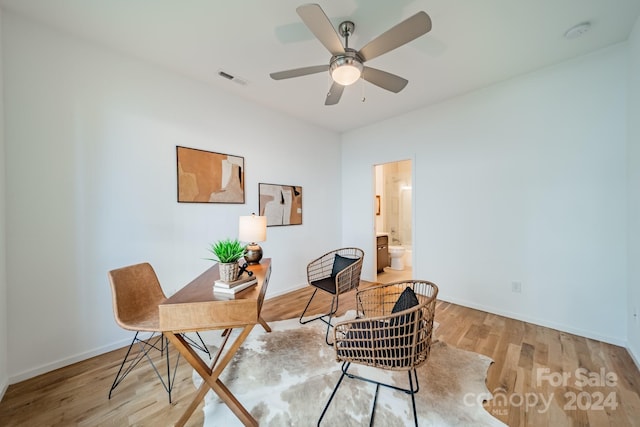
{"type": "Point", "coordinates": [516, 287]}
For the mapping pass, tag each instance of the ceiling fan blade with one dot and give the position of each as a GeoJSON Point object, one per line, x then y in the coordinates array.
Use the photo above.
{"type": "Point", "coordinates": [385, 80]}
{"type": "Point", "coordinates": [316, 20]}
{"type": "Point", "coordinates": [298, 72]}
{"type": "Point", "coordinates": [334, 94]}
{"type": "Point", "coordinates": [409, 29]}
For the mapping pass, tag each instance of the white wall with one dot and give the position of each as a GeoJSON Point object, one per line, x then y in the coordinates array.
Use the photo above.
{"type": "Point", "coordinates": [634, 194]}
{"type": "Point", "coordinates": [4, 375]}
{"type": "Point", "coordinates": [91, 186]}
{"type": "Point", "coordinates": [523, 181]}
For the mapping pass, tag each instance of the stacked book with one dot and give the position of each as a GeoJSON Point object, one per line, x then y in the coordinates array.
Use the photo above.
{"type": "Point", "coordinates": [232, 288]}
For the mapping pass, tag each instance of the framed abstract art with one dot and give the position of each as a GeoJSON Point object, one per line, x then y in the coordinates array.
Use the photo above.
{"type": "Point", "coordinates": [208, 177]}
{"type": "Point", "coordinates": [281, 204]}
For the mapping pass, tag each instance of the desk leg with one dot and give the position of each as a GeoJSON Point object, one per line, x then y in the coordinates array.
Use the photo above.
{"type": "Point", "coordinates": [202, 392]}
{"type": "Point", "coordinates": [211, 377]}
{"type": "Point", "coordinates": [264, 324]}
{"type": "Point", "coordinates": [204, 387]}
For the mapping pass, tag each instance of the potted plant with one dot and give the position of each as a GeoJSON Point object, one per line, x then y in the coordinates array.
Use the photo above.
{"type": "Point", "coordinates": [227, 252]}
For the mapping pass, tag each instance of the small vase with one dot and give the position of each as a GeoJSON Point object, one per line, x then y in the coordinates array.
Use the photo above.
{"type": "Point", "coordinates": [228, 271]}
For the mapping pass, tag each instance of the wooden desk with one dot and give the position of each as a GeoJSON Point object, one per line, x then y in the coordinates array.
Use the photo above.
{"type": "Point", "coordinates": [196, 308]}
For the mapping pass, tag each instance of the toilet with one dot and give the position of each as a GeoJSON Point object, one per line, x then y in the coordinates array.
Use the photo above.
{"type": "Point", "coordinates": [408, 256]}
{"type": "Point", "coordinates": [396, 253]}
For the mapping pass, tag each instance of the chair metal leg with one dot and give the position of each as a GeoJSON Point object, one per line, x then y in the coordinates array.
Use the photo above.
{"type": "Point", "coordinates": [335, 389]}
{"type": "Point", "coordinates": [119, 378]}
{"type": "Point", "coordinates": [169, 385]}
{"type": "Point", "coordinates": [413, 396]}
{"type": "Point", "coordinates": [197, 345]}
{"type": "Point", "coordinates": [329, 325]}
{"type": "Point", "coordinates": [412, 390]}
{"type": "Point", "coordinates": [332, 311]}
{"type": "Point", "coordinates": [171, 380]}
{"type": "Point", "coordinates": [373, 408]}
{"type": "Point", "coordinates": [307, 306]}
{"type": "Point", "coordinates": [159, 343]}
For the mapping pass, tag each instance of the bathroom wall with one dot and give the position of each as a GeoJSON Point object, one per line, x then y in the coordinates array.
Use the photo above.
{"type": "Point", "coordinates": [397, 202]}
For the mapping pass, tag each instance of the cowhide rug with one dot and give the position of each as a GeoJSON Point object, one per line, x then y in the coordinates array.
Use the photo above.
{"type": "Point", "coordinates": [284, 378]}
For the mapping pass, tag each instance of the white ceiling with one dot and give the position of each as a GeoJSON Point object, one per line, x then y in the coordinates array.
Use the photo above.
{"type": "Point", "coordinates": [473, 43]}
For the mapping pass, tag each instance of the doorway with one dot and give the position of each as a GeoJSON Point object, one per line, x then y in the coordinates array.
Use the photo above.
{"type": "Point", "coordinates": [394, 221]}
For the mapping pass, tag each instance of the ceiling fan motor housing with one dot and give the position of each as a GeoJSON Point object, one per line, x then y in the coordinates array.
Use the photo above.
{"type": "Point", "coordinates": [349, 57]}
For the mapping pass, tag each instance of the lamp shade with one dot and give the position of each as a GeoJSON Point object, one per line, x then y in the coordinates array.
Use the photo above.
{"type": "Point", "coordinates": [252, 228]}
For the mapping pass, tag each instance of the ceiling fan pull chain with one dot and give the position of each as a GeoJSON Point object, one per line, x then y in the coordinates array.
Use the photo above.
{"type": "Point", "coordinates": [362, 85]}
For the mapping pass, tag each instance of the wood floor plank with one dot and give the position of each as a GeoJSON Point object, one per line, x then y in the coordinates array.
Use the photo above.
{"type": "Point", "coordinates": [522, 352]}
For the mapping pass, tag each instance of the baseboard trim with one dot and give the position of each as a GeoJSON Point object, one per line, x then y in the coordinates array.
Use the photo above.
{"type": "Point", "coordinates": [3, 389]}
{"type": "Point", "coordinates": [43, 369]}
{"type": "Point", "coordinates": [25, 375]}
{"type": "Point", "coordinates": [540, 322]}
{"type": "Point", "coordinates": [286, 291]}
{"type": "Point", "coordinates": [634, 357]}
{"type": "Point", "coordinates": [511, 315]}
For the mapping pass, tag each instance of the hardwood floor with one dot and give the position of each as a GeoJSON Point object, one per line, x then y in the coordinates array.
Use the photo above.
{"type": "Point", "coordinates": [537, 377]}
{"type": "Point", "coordinates": [389, 275]}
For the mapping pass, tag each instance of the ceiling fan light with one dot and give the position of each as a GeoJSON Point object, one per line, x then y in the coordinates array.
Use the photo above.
{"type": "Point", "coordinates": [345, 70]}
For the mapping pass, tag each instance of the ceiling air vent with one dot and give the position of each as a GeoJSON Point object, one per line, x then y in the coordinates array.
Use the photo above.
{"type": "Point", "coordinates": [232, 78]}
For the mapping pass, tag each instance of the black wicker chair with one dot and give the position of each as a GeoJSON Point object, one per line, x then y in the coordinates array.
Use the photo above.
{"type": "Point", "coordinates": [335, 272]}
{"type": "Point", "coordinates": [392, 331]}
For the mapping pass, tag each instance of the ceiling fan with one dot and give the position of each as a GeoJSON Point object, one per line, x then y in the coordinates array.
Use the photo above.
{"type": "Point", "coordinates": [347, 65]}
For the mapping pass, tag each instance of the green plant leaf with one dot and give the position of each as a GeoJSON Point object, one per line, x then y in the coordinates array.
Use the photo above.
{"type": "Point", "coordinates": [227, 250]}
